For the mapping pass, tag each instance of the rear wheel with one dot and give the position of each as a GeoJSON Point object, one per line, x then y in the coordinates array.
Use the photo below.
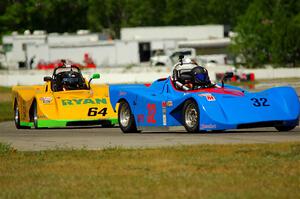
{"type": "Point", "coordinates": [126, 118]}
{"type": "Point", "coordinates": [17, 116]}
{"type": "Point", "coordinates": [285, 128]}
{"type": "Point", "coordinates": [191, 116]}
{"type": "Point", "coordinates": [35, 116]}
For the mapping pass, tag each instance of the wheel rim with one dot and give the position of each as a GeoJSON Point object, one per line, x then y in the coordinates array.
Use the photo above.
{"type": "Point", "coordinates": [191, 115]}
{"type": "Point", "coordinates": [17, 115]}
{"type": "Point", "coordinates": [124, 115]}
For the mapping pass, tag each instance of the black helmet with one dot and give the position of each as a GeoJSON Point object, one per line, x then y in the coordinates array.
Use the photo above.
{"type": "Point", "coordinates": [71, 80]}
{"type": "Point", "coordinates": [200, 76]}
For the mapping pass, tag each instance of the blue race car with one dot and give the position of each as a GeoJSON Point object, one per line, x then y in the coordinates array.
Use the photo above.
{"type": "Point", "coordinates": [189, 98]}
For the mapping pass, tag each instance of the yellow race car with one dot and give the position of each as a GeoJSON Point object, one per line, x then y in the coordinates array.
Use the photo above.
{"type": "Point", "coordinates": [66, 99]}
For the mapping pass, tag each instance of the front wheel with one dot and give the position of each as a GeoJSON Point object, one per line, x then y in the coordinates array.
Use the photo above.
{"type": "Point", "coordinates": [285, 128]}
{"type": "Point", "coordinates": [191, 116]}
{"type": "Point", "coordinates": [126, 118]}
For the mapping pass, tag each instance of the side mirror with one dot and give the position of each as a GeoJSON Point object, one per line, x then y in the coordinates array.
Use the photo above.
{"type": "Point", "coordinates": [47, 79]}
{"type": "Point", "coordinates": [227, 75]}
{"type": "Point", "coordinates": [94, 76]}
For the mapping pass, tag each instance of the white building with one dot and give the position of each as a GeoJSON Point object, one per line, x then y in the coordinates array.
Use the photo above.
{"type": "Point", "coordinates": [173, 32]}
{"type": "Point", "coordinates": [15, 48]}
{"type": "Point", "coordinates": [104, 53]}
{"type": "Point", "coordinates": [166, 38]}
{"type": "Point", "coordinates": [135, 46]}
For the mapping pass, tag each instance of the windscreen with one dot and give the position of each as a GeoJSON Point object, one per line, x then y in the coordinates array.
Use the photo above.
{"type": "Point", "coordinates": [66, 69]}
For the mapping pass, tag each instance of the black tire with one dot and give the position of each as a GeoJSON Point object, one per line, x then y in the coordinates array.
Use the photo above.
{"type": "Point", "coordinates": [126, 118]}
{"type": "Point", "coordinates": [17, 116]}
{"type": "Point", "coordinates": [35, 115]}
{"type": "Point", "coordinates": [191, 116]}
{"type": "Point", "coordinates": [285, 128]}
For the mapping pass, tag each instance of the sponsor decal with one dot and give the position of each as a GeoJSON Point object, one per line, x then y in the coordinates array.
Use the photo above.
{"type": "Point", "coordinates": [169, 103]}
{"type": "Point", "coordinates": [71, 102]}
{"type": "Point", "coordinates": [46, 100]}
{"type": "Point", "coordinates": [122, 93]}
{"type": "Point", "coordinates": [209, 97]}
{"type": "Point", "coordinates": [208, 126]}
{"type": "Point", "coordinates": [165, 104]}
{"type": "Point", "coordinates": [140, 118]}
{"type": "Point", "coordinates": [164, 111]}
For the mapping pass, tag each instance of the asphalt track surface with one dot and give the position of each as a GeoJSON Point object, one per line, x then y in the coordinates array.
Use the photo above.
{"type": "Point", "coordinates": [99, 138]}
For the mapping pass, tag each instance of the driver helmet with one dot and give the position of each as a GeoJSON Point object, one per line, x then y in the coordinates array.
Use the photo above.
{"type": "Point", "coordinates": [187, 74]}
{"type": "Point", "coordinates": [181, 70]}
{"type": "Point", "coordinates": [200, 76]}
{"type": "Point", "coordinates": [70, 81]}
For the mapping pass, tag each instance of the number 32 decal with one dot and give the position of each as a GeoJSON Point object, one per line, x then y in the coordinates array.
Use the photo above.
{"type": "Point", "coordinates": [260, 102]}
{"type": "Point", "coordinates": [151, 113]}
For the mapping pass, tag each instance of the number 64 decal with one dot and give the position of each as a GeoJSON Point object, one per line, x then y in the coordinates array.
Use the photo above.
{"type": "Point", "coordinates": [94, 111]}
{"type": "Point", "coordinates": [260, 102]}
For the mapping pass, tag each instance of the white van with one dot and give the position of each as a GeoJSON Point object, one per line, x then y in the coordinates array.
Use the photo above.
{"type": "Point", "coordinates": [168, 58]}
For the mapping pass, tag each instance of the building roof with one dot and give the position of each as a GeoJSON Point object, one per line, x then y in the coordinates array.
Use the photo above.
{"type": "Point", "coordinates": [173, 32]}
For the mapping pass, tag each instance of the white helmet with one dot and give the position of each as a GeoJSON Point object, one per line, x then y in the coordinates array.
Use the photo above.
{"type": "Point", "coordinates": [182, 68]}
{"type": "Point", "coordinates": [188, 71]}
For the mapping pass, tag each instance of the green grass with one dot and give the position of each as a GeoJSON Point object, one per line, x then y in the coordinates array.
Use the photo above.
{"type": "Point", "coordinates": [289, 79]}
{"type": "Point", "coordinates": [5, 89]}
{"type": "Point", "coordinates": [5, 149]}
{"type": "Point", "coordinates": [242, 83]}
{"type": "Point", "coordinates": [6, 111]}
{"type": "Point", "coordinates": [248, 83]}
{"type": "Point", "coordinates": [201, 171]}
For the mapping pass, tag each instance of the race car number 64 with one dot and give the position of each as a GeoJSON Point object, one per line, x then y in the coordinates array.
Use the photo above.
{"type": "Point", "coordinates": [94, 111]}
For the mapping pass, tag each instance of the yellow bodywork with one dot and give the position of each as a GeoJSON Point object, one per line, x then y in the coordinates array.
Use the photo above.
{"type": "Point", "coordinates": [63, 108]}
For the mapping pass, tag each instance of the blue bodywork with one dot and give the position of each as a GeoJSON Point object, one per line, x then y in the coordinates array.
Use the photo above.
{"type": "Point", "coordinates": [161, 104]}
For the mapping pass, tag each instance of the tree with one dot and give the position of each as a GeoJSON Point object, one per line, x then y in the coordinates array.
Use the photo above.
{"type": "Point", "coordinates": [111, 15]}
{"type": "Point", "coordinates": [253, 30]}
{"type": "Point", "coordinates": [285, 46]}
{"type": "Point", "coordinates": [13, 18]}
{"type": "Point", "coordinates": [269, 33]}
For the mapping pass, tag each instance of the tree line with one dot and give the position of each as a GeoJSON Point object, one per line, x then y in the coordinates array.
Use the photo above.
{"type": "Point", "coordinates": [267, 31]}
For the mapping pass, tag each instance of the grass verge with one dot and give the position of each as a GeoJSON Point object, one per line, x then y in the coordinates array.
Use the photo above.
{"type": "Point", "coordinates": [6, 111]}
{"type": "Point", "coordinates": [5, 89]}
{"type": "Point", "coordinates": [201, 171]}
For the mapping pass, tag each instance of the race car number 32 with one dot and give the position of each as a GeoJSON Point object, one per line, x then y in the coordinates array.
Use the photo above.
{"type": "Point", "coordinates": [151, 113]}
{"type": "Point", "coordinates": [94, 111]}
{"type": "Point", "coordinates": [260, 102]}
